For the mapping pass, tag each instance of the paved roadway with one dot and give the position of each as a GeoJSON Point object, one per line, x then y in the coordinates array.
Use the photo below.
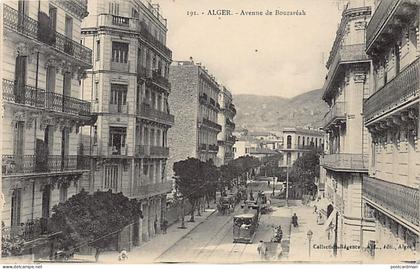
{"type": "Point", "coordinates": [212, 241]}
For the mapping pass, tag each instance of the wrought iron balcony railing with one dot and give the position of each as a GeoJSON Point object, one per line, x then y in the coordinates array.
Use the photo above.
{"type": "Point", "coordinates": [159, 79]}
{"type": "Point", "coordinates": [142, 150]}
{"type": "Point", "coordinates": [145, 34]}
{"type": "Point", "coordinates": [155, 115]}
{"type": "Point", "coordinates": [336, 112]}
{"type": "Point", "coordinates": [27, 164]}
{"type": "Point", "coordinates": [30, 96]}
{"type": "Point", "coordinates": [394, 93]}
{"type": "Point", "coordinates": [400, 200]}
{"type": "Point", "coordinates": [345, 162]}
{"type": "Point", "coordinates": [212, 124]}
{"type": "Point", "coordinates": [159, 151]}
{"type": "Point", "coordinates": [379, 17]}
{"type": "Point", "coordinates": [31, 28]}
{"type": "Point", "coordinates": [29, 231]}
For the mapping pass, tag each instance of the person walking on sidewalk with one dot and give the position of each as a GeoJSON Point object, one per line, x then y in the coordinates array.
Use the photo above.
{"type": "Point", "coordinates": [164, 226]}
{"type": "Point", "coordinates": [261, 249]}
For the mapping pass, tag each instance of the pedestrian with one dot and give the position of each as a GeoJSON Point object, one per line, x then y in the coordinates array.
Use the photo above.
{"type": "Point", "coordinates": [155, 226]}
{"type": "Point", "coordinates": [164, 226]}
{"type": "Point", "coordinates": [279, 233]}
{"type": "Point", "coordinates": [123, 255]}
{"type": "Point", "coordinates": [261, 249]}
{"type": "Point", "coordinates": [315, 209]}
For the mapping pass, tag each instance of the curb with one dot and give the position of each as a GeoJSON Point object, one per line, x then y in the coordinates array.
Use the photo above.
{"type": "Point", "coordinates": [183, 236]}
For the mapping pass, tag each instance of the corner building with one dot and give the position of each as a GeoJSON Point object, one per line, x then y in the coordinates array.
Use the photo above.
{"type": "Point", "coordinates": [345, 163]}
{"type": "Point", "coordinates": [194, 100]}
{"type": "Point", "coordinates": [43, 63]}
{"type": "Point", "coordinates": [391, 115]}
{"type": "Point", "coordinates": [128, 87]}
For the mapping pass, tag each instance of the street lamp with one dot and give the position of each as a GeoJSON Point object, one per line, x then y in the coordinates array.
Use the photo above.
{"type": "Point", "coordinates": [309, 234]}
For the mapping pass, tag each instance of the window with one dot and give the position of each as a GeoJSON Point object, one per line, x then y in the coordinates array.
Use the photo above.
{"type": "Point", "coordinates": [118, 96]}
{"type": "Point", "coordinates": [53, 17]}
{"type": "Point", "coordinates": [111, 177]}
{"type": "Point", "coordinates": [289, 158]}
{"type": "Point", "coordinates": [114, 8]}
{"type": "Point", "coordinates": [96, 90]}
{"type": "Point", "coordinates": [15, 208]}
{"type": "Point", "coordinates": [119, 52]}
{"type": "Point", "coordinates": [63, 193]}
{"type": "Point", "coordinates": [98, 50]}
{"type": "Point", "coordinates": [289, 141]}
{"type": "Point", "coordinates": [95, 135]}
{"type": "Point", "coordinates": [69, 27]}
{"type": "Point", "coordinates": [134, 13]}
{"type": "Point", "coordinates": [117, 136]}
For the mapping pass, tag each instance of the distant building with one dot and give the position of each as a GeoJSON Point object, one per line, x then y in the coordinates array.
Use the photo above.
{"type": "Point", "coordinates": [297, 141]}
{"type": "Point", "coordinates": [225, 139]}
{"type": "Point", "coordinates": [194, 101]}
{"type": "Point", "coordinates": [391, 196]}
{"type": "Point", "coordinates": [243, 146]}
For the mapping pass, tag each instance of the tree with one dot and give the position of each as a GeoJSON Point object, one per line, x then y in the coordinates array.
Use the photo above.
{"type": "Point", "coordinates": [189, 181]}
{"type": "Point", "coordinates": [211, 176]}
{"type": "Point", "coordinates": [93, 219]}
{"type": "Point", "coordinates": [304, 171]}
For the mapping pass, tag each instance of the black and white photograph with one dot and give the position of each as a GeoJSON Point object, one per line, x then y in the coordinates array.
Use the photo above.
{"type": "Point", "coordinates": [222, 132]}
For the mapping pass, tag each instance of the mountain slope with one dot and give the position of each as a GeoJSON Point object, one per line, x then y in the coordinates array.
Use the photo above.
{"type": "Point", "coordinates": [274, 113]}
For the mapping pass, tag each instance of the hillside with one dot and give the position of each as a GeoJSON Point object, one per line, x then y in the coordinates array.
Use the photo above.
{"type": "Point", "coordinates": [273, 113]}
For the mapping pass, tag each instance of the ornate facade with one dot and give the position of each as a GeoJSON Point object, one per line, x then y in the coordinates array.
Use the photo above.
{"type": "Point", "coordinates": [345, 160]}
{"type": "Point", "coordinates": [128, 87]}
{"type": "Point", "coordinates": [43, 64]}
{"type": "Point", "coordinates": [391, 115]}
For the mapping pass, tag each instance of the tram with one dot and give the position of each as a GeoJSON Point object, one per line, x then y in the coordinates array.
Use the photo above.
{"type": "Point", "coordinates": [245, 226]}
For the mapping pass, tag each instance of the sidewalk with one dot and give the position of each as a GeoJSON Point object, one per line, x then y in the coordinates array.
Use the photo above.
{"type": "Point", "coordinates": [299, 243]}
{"type": "Point", "coordinates": [151, 250]}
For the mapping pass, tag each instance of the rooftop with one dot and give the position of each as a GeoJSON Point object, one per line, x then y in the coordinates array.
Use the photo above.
{"type": "Point", "coordinates": [303, 131]}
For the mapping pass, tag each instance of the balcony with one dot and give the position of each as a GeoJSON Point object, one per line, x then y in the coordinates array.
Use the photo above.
{"type": "Point", "coordinates": [117, 151]}
{"type": "Point", "coordinates": [230, 124]}
{"type": "Point", "coordinates": [142, 151]}
{"type": "Point", "coordinates": [397, 12]}
{"type": "Point", "coordinates": [29, 231]}
{"type": "Point", "coordinates": [399, 200]}
{"type": "Point", "coordinates": [141, 73]}
{"type": "Point", "coordinates": [396, 92]}
{"type": "Point", "coordinates": [345, 162]}
{"type": "Point", "coordinates": [29, 164]}
{"type": "Point", "coordinates": [148, 37]}
{"type": "Point", "coordinates": [214, 148]}
{"type": "Point", "coordinates": [147, 112]}
{"type": "Point", "coordinates": [120, 21]}
{"type": "Point", "coordinates": [31, 28]}
{"type": "Point", "coordinates": [334, 115]}
{"type": "Point", "coordinates": [38, 98]}
{"type": "Point", "coordinates": [203, 99]}
{"type": "Point", "coordinates": [158, 79]}
{"type": "Point", "coordinates": [232, 108]}
{"type": "Point", "coordinates": [160, 152]}
{"type": "Point", "coordinates": [346, 54]}
{"type": "Point", "coordinates": [212, 125]}
{"type": "Point", "coordinates": [150, 190]}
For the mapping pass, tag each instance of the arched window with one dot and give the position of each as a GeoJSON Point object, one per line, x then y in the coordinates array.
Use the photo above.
{"type": "Point", "coordinates": [289, 141]}
{"type": "Point", "coordinates": [298, 142]}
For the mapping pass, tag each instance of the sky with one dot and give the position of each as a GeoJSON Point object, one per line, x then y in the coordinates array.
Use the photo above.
{"type": "Point", "coordinates": [265, 55]}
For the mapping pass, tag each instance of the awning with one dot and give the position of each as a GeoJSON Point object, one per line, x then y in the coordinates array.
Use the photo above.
{"type": "Point", "coordinates": [330, 219]}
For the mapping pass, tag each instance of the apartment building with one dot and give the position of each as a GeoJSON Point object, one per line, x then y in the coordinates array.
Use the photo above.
{"type": "Point", "coordinates": [129, 88]}
{"type": "Point", "coordinates": [225, 139]}
{"type": "Point", "coordinates": [194, 100]}
{"type": "Point", "coordinates": [42, 162]}
{"type": "Point", "coordinates": [345, 161]}
{"type": "Point", "coordinates": [391, 115]}
{"type": "Point", "coordinates": [297, 141]}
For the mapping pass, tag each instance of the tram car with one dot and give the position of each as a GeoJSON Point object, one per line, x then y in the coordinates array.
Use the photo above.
{"type": "Point", "coordinates": [245, 226]}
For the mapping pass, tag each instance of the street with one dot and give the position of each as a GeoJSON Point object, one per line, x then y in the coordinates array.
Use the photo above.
{"type": "Point", "coordinates": [212, 241]}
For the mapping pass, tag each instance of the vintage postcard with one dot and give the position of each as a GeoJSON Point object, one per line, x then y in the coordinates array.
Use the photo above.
{"type": "Point", "coordinates": [210, 132]}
